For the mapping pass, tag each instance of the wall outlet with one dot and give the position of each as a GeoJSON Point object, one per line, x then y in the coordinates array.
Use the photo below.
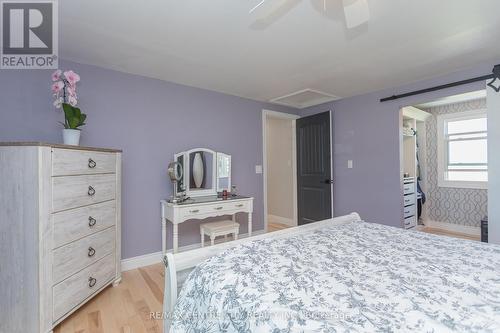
{"type": "Point", "coordinates": [258, 169]}
{"type": "Point", "coordinates": [349, 164]}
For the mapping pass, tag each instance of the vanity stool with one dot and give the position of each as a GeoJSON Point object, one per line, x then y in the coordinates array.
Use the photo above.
{"type": "Point", "coordinates": [219, 228]}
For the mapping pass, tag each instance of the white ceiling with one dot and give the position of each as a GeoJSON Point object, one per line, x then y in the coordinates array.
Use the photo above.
{"type": "Point", "coordinates": [216, 44]}
{"type": "Point", "coordinates": [470, 96]}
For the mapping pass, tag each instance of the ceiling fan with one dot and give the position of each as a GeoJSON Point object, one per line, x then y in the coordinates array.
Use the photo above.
{"type": "Point", "coordinates": [356, 12]}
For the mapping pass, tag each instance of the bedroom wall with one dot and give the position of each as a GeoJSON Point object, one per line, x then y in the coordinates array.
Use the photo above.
{"type": "Point", "coordinates": [461, 206]}
{"type": "Point", "coordinates": [150, 120]}
{"type": "Point", "coordinates": [367, 132]}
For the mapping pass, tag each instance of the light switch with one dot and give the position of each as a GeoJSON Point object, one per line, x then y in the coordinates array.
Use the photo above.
{"type": "Point", "coordinates": [258, 169]}
{"type": "Point", "coordinates": [349, 164]}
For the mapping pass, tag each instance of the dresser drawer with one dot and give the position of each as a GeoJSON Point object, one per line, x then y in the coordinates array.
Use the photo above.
{"type": "Point", "coordinates": [409, 211]}
{"type": "Point", "coordinates": [77, 191]}
{"type": "Point", "coordinates": [408, 188]}
{"type": "Point", "coordinates": [71, 258]}
{"type": "Point", "coordinates": [74, 224]}
{"type": "Point", "coordinates": [66, 162]}
{"type": "Point", "coordinates": [409, 199]}
{"type": "Point", "coordinates": [74, 290]}
{"type": "Point", "coordinates": [410, 222]}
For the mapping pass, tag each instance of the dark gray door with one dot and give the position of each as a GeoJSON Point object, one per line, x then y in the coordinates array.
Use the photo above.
{"type": "Point", "coordinates": [314, 193]}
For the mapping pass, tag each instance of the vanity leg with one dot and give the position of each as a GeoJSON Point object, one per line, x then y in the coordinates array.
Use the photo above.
{"type": "Point", "coordinates": [249, 224]}
{"type": "Point", "coordinates": [235, 236]}
{"type": "Point", "coordinates": [212, 240]}
{"type": "Point", "coordinates": [175, 238]}
{"type": "Point", "coordinates": [234, 217]}
{"type": "Point", "coordinates": [163, 236]}
{"type": "Point", "coordinates": [202, 240]}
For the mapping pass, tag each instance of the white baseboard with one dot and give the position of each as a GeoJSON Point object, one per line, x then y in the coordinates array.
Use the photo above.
{"type": "Point", "coordinates": [463, 229]}
{"type": "Point", "coordinates": [281, 220]}
{"type": "Point", "coordinates": [156, 257]}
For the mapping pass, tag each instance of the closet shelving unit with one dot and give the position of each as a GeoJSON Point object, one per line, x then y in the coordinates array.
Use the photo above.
{"type": "Point", "coordinates": [413, 122]}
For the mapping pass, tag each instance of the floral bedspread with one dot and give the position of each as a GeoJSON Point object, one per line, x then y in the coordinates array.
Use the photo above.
{"type": "Point", "coordinates": [358, 277]}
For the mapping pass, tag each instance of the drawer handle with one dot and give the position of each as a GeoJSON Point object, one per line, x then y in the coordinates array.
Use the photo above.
{"type": "Point", "coordinates": [218, 208]}
{"type": "Point", "coordinates": [92, 282]}
{"type": "Point", "coordinates": [91, 251]}
{"type": "Point", "coordinates": [407, 212]}
{"type": "Point", "coordinates": [194, 211]}
{"type": "Point", "coordinates": [240, 205]}
{"type": "Point", "coordinates": [91, 191]}
{"type": "Point", "coordinates": [92, 163]}
{"type": "Point", "coordinates": [92, 221]}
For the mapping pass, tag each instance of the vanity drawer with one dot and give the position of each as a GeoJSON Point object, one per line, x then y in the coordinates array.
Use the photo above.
{"type": "Point", "coordinates": [74, 224]}
{"type": "Point", "coordinates": [408, 188]}
{"type": "Point", "coordinates": [409, 199]}
{"type": "Point", "coordinates": [409, 211]}
{"type": "Point", "coordinates": [77, 191]}
{"type": "Point", "coordinates": [223, 206]}
{"type": "Point", "coordinates": [75, 289]}
{"type": "Point", "coordinates": [71, 258]}
{"type": "Point", "coordinates": [67, 162]}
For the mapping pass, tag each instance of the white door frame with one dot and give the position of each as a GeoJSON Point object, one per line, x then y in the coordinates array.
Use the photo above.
{"type": "Point", "coordinates": [293, 118]}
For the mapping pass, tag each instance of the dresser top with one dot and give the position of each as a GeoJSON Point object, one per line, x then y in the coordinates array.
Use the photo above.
{"type": "Point", "coordinates": [58, 145]}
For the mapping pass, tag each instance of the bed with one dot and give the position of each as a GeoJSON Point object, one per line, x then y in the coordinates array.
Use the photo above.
{"type": "Point", "coordinates": [338, 275]}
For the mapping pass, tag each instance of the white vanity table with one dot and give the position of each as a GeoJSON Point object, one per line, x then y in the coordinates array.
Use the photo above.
{"type": "Point", "coordinates": [198, 174]}
{"type": "Point", "coordinates": [201, 208]}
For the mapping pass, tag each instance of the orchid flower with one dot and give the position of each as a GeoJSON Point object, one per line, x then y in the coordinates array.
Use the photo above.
{"type": "Point", "coordinates": [56, 76]}
{"type": "Point", "coordinates": [72, 77]}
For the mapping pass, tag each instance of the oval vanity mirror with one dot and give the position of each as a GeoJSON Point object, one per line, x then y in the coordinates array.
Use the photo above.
{"type": "Point", "coordinates": [206, 172]}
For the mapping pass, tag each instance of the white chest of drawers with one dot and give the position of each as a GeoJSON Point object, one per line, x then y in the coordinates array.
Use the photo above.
{"type": "Point", "coordinates": [60, 227]}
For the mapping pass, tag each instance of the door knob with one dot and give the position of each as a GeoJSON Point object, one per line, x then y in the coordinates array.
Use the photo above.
{"type": "Point", "coordinates": [328, 181]}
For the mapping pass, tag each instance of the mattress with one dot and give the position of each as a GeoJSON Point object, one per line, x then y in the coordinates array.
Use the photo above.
{"type": "Point", "coordinates": [357, 277]}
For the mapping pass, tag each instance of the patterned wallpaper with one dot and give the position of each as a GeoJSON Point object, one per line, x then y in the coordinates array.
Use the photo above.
{"type": "Point", "coordinates": [451, 205]}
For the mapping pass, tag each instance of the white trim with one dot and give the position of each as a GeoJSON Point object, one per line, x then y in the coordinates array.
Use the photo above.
{"type": "Point", "coordinates": [463, 229]}
{"type": "Point", "coordinates": [293, 118]}
{"type": "Point", "coordinates": [156, 257]}
{"type": "Point", "coordinates": [281, 220]}
{"type": "Point", "coordinates": [441, 151]}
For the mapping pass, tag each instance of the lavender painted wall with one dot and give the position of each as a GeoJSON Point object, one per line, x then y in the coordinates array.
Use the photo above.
{"type": "Point", "coordinates": [367, 132]}
{"type": "Point", "coordinates": [150, 120]}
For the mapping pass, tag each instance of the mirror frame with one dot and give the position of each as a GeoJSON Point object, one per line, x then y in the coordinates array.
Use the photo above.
{"type": "Point", "coordinates": [187, 166]}
{"type": "Point", "coordinates": [219, 189]}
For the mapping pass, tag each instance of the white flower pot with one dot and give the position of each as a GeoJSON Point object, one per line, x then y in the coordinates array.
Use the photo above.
{"type": "Point", "coordinates": [71, 137]}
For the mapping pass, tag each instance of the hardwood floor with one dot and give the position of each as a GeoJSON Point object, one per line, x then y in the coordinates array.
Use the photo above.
{"type": "Point", "coordinates": [442, 232]}
{"type": "Point", "coordinates": [276, 226]}
{"type": "Point", "coordinates": [126, 308]}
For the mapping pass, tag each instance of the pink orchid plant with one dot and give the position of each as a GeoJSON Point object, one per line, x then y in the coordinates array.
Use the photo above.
{"type": "Point", "coordinates": [64, 91]}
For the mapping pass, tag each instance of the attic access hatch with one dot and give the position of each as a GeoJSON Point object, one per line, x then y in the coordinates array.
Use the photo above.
{"type": "Point", "coordinates": [304, 98]}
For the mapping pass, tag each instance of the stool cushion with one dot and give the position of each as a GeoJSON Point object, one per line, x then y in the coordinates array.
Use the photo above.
{"type": "Point", "coordinates": [219, 226]}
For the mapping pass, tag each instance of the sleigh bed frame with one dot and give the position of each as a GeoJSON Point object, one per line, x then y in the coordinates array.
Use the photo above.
{"type": "Point", "coordinates": [179, 265]}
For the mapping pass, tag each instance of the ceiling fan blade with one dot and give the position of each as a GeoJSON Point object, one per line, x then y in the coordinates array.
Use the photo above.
{"type": "Point", "coordinates": [356, 12]}
{"type": "Point", "coordinates": [266, 8]}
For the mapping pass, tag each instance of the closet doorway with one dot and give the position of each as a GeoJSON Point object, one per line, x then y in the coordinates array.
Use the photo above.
{"type": "Point", "coordinates": [444, 165]}
{"type": "Point", "coordinates": [280, 170]}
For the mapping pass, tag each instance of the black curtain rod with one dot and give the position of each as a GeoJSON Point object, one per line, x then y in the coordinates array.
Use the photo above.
{"type": "Point", "coordinates": [494, 76]}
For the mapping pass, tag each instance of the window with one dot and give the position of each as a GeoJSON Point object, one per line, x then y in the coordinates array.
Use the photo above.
{"type": "Point", "coordinates": [463, 150]}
